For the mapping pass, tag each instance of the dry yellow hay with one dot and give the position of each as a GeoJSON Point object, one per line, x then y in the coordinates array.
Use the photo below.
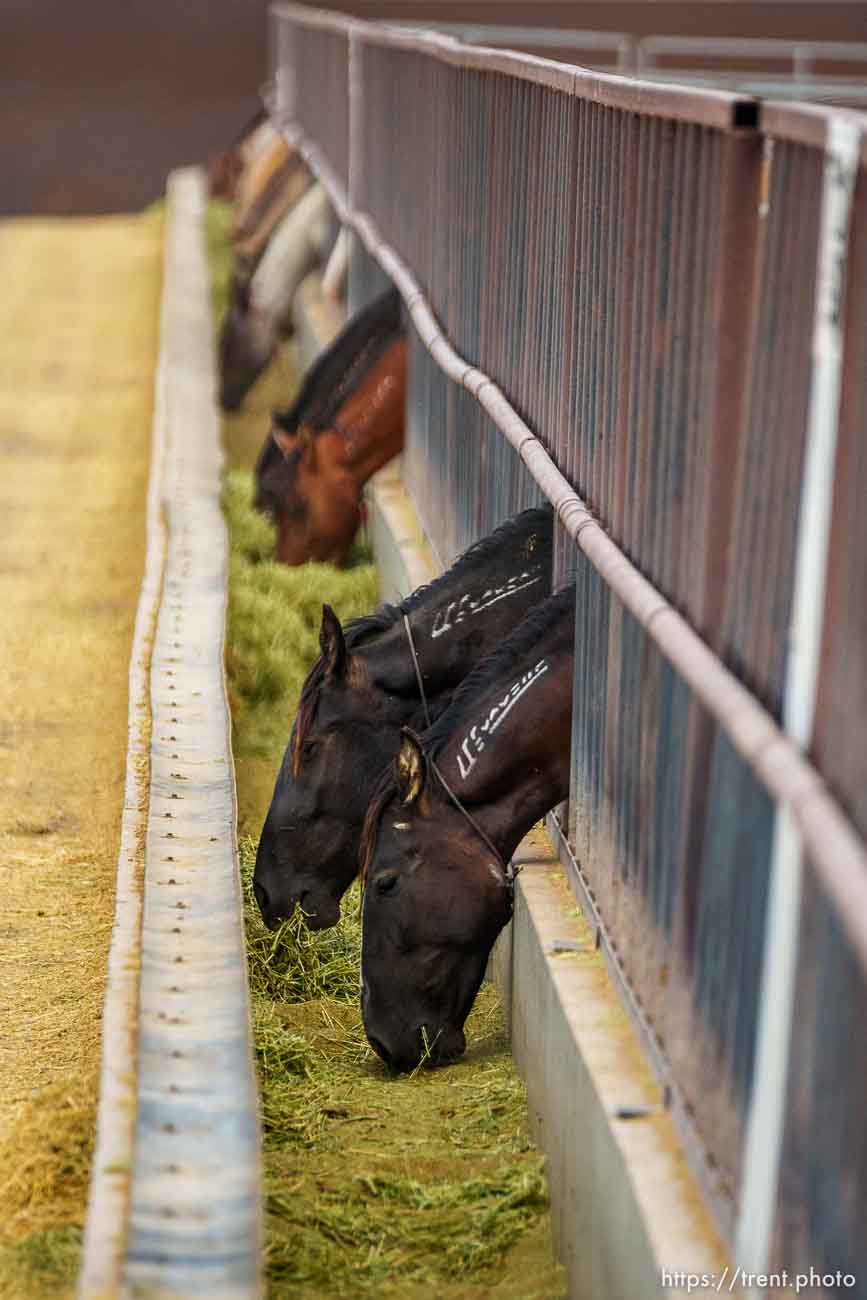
{"type": "Point", "coordinates": [78, 341]}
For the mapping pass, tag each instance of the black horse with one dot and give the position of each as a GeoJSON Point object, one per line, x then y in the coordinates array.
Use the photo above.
{"type": "Point", "coordinates": [442, 827]}
{"type": "Point", "coordinates": [363, 689]}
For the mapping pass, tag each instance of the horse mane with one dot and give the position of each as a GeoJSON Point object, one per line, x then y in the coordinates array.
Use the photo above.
{"type": "Point", "coordinates": [336, 374]}
{"type": "Point", "coordinates": [505, 658]}
{"type": "Point", "coordinates": [361, 630]}
{"type": "Point", "coordinates": [275, 178]}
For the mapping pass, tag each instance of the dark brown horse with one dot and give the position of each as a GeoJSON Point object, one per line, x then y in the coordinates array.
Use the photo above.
{"type": "Point", "coordinates": [442, 827]}
{"type": "Point", "coordinates": [363, 689]}
{"type": "Point", "coordinates": [346, 422]}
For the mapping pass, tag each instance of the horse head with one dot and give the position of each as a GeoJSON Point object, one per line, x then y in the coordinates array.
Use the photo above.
{"type": "Point", "coordinates": [442, 827]}
{"type": "Point", "coordinates": [273, 476]}
{"type": "Point", "coordinates": [344, 730]}
{"type": "Point", "coordinates": [320, 509]}
{"type": "Point", "coordinates": [247, 342]}
{"type": "Point", "coordinates": [436, 897]}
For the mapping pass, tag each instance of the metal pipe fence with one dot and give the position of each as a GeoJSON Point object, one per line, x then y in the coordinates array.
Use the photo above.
{"type": "Point", "coordinates": [667, 288]}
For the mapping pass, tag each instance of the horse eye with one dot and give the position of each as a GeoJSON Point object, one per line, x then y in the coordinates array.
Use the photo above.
{"type": "Point", "coordinates": [309, 748]}
{"type": "Point", "coordinates": [386, 884]}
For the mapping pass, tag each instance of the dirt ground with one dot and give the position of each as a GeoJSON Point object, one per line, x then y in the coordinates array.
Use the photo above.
{"type": "Point", "coordinates": [78, 342]}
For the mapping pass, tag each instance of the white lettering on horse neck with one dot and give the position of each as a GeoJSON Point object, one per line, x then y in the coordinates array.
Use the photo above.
{"type": "Point", "coordinates": [457, 610]}
{"type": "Point", "coordinates": [476, 738]}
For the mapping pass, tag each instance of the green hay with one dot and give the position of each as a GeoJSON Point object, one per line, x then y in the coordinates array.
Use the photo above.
{"type": "Point", "coordinates": [218, 221]}
{"type": "Point", "coordinates": [442, 1183]}
{"type": "Point", "coordinates": [274, 617]}
{"type": "Point", "coordinates": [294, 964]}
{"type": "Point", "coordinates": [418, 1186]}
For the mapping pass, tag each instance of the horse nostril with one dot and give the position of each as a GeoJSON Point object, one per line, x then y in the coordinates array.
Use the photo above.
{"type": "Point", "coordinates": [381, 1050]}
{"type": "Point", "coordinates": [261, 896]}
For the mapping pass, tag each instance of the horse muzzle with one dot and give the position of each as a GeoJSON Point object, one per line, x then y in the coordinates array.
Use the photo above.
{"type": "Point", "coordinates": [441, 1047]}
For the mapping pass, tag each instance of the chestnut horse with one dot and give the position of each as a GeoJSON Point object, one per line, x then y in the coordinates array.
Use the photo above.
{"type": "Point", "coordinates": [320, 511]}
{"type": "Point", "coordinates": [442, 827]}
{"type": "Point", "coordinates": [259, 307]}
{"type": "Point", "coordinates": [361, 691]}
{"type": "Point", "coordinates": [328, 386]}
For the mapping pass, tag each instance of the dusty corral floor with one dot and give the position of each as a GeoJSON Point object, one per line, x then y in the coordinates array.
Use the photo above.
{"type": "Point", "coordinates": [78, 343]}
{"type": "Point", "coordinates": [420, 1186]}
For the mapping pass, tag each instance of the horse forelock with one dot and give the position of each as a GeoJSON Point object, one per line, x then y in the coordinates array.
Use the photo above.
{"type": "Point", "coordinates": [385, 788]}
{"type": "Point", "coordinates": [306, 711]}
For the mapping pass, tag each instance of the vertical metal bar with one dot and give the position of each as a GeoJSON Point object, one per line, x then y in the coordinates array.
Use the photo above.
{"type": "Point", "coordinates": [770, 1080]}
{"type": "Point", "coordinates": [356, 147]}
{"type": "Point", "coordinates": [733, 317]}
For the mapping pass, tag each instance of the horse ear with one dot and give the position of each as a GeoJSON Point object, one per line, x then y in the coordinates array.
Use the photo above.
{"type": "Point", "coordinates": [332, 643]}
{"type": "Point", "coordinates": [410, 767]}
{"type": "Point", "coordinates": [283, 441]}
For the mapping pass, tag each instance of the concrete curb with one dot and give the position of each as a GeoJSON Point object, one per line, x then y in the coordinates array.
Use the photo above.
{"type": "Point", "coordinates": [184, 1197]}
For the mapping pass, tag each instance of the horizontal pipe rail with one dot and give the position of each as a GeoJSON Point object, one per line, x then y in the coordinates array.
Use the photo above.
{"type": "Point", "coordinates": [717, 108]}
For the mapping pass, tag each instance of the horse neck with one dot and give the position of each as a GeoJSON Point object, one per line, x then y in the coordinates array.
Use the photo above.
{"type": "Point", "coordinates": [257, 182]}
{"type": "Point", "coordinates": [284, 191]}
{"type": "Point", "coordinates": [294, 250]}
{"type": "Point", "coordinates": [469, 612]}
{"type": "Point", "coordinates": [372, 419]}
{"type": "Point", "coordinates": [466, 613]}
{"type": "Point", "coordinates": [517, 769]}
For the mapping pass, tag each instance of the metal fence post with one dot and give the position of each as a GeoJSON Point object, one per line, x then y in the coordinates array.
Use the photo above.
{"type": "Point", "coordinates": [765, 1121]}
{"type": "Point", "coordinates": [354, 301]}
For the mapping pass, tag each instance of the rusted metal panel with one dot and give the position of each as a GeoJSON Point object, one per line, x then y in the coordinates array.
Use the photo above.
{"type": "Point", "coordinates": [633, 764]}
{"type": "Point", "coordinates": [822, 1204]}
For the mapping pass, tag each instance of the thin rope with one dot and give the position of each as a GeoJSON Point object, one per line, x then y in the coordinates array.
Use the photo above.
{"type": "Point", "coordinates": [508, 870]}
{"type": "Point", "coordinates": [415, 665]}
